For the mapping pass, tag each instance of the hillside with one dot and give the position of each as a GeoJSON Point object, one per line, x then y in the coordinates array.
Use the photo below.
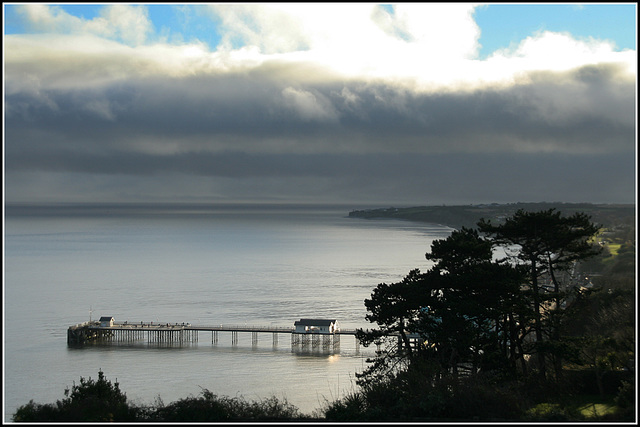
{"type": "Point", "coordinates": [606, 215]}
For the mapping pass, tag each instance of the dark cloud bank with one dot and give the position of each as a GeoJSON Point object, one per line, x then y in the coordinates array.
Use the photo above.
{"type": "Point", "coordinates": [552, 137]}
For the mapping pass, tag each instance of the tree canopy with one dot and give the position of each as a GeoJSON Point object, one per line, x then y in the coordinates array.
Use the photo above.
{"type": "Point", "coordinates": [475, 311]}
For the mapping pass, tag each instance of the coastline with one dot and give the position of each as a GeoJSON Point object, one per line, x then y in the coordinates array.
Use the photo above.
{"type": "Point", "coordinates": [457, 216]}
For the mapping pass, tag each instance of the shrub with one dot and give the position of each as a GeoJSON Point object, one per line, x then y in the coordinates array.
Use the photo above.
{"type": "Point", "coordinates": [547, 412]}
{"type": "Point", "coordinates": [91, 400]}
{"type": "Point", "coordinates": [211, 407]}
{"type": "Point", "coordinates": [481, 398]}
{"type": "Point", "coordinates": [626, 398]}
{"type": "Point", "coordinates": [102, 401]}
{"type": "Point", "coordinates": [404, 399]}
{"type": "Point", "coordinates": [349, 408]}
{"type": "Point", "coordinates": [626, 401]}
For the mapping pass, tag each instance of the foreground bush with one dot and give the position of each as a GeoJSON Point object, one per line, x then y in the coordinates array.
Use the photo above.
{"type": "Point", "coordinates": [210, 407]}
{"type": "Point", "coordinates": [404, 399]}
{"type": "Point", "coordinates": [89, 401]}
{"type": "Point", "coordinates": [102, 401]}
{"type": "Point", "coordinates": [480, 398]}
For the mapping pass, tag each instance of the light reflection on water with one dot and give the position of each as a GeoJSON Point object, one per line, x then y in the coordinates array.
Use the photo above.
{"type": "Point", "coordinates": [226, 267]}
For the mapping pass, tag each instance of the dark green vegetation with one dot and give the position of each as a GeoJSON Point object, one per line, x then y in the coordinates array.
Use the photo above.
{"type": "Point", "coordinates": [528, 317]}
{"type": "Point", "coordinates": [102, 401]}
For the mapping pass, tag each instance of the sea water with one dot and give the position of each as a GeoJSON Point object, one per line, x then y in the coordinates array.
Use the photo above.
{"type": "Point", "coordinates": [214, 265]}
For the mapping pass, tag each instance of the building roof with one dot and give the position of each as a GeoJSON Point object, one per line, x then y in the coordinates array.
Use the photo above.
{"type": "Point", "coordinates": [106, 318]}
{"type": "Point", "coordinates": [314, 322]}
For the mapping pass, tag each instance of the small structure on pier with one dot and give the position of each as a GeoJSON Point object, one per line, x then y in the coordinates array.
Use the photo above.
{"type": "Point", "coordinates": [106, 321]}
{"type": "Point", "coordinates": [316, 326]}
{"type": "Point", "coordinates": [306, 330]}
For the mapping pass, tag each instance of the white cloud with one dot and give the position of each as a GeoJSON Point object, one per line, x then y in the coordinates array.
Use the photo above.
{"type": "Point", "coordinates": [423, 46]}
{"type": "Point", "coordinates": [130, 24]}
{"type": "Point", "coordinates": [355, 39]}
{"type": "Point", "coordinates": [418, 46]}
{"type": "Point", "coordinates": [444, 31]}
{"type": "Point", "coordinates": [556, 52]}
{"type": "Point", "coordinates": [266, 27]}
{"type": "Point", "coordinates": [41, 17]}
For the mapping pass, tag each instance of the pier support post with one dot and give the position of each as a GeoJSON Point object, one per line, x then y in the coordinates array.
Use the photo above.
{"type": "Point", "coordinates": [326, 340]}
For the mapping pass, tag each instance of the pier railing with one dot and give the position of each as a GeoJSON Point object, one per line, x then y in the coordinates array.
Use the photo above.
{"type": "Point", "coordinates": [185, 333]}
{"type": "Point", "coordinates": [209, 328]}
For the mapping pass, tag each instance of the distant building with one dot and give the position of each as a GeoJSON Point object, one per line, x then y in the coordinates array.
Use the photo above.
{"type": "Point", "coordinates": [106, 321]}
{"type": "Point", "coordinates": [316, 326]}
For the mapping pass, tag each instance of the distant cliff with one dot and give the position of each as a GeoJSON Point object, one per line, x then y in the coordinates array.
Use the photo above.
{"type": "Point", "coordinates": [469, 215]}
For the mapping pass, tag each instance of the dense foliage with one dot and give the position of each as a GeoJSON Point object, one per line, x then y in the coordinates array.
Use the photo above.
{"type": "Point", "coordinates": [102, 401]}
{"type": "Point", "coordinates": [90, 400]}
{"type": "Point", "coordinates": [501, 322]}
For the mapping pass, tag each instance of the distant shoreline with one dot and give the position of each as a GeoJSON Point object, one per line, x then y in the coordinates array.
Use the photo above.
{"type": "Point", "coordinates": [153, 208]}
{"type": "Point", "coordinates": [458, 216]}
{"type": "Point", "coordinates": [455, 216]}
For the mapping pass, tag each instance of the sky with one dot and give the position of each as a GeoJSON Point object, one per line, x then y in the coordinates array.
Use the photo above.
{"type": "Point", "coordinates": [352, 103]}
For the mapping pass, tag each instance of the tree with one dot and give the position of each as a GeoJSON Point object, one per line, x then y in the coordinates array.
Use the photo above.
{"type": "Point", "coordinates": [547, 244]}
{"type": "Point", "coordinates": [473, 304]}
{"type": "Point", "coordinates": [461, 314]}
{"type": "Point", "coordinates": [394, 308]}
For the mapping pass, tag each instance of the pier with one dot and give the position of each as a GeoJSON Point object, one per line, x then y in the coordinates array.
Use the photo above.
{"type": "Point", "coordinates": [312, 333]}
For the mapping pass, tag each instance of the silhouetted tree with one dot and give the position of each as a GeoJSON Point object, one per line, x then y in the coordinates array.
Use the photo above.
{"type": "Point", "coordinates": [471, 305]}
{"type": "Point", "coordinates": [462, 313]}
{"type": "Point", "coordinates": [547, 243]}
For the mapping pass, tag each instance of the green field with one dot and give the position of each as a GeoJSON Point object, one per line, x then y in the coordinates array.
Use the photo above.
{"type": "Point", "coordinates": [613, 248]}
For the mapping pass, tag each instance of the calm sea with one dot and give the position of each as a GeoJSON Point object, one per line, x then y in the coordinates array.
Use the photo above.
{"type": "Point", "coordinates": [231, 265]}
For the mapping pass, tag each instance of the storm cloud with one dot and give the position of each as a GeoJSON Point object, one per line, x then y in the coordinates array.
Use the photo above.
{"type": "Point", "coordinates": [144, 125]}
